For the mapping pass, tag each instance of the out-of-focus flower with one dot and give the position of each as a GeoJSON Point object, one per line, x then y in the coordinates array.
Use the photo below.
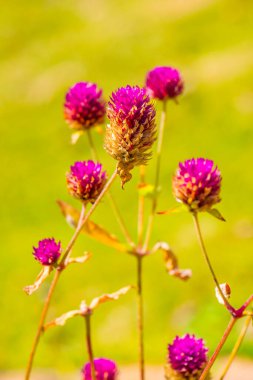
{"type": "Point", "coordinates": [84, 106]}
{"type": "Point", "coordinates": [164, 82]}
{"type": "Point", "coordinates": [47, 252]}
{"type": "Point", "coordinates": [187, 357]}
{"type": "Point", "coordinates": [86, 180]}
{"type": "Point", "coordinates": [197, 184]}
{"type": "Point", "coordinates": [131, 131]}
{"type": "Point", "coordinates": [105, 369]}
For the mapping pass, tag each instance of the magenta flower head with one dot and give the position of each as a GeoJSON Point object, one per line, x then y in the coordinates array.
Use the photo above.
{"type": "Point", "coordinates": [47, 252]}
{"type": "Point", "coordinates": [86, 180]}
{"type": "Point", "coordinates": [84, 106]}
{"type": "Point", "coordinates": [131, 132]}
{"type": "Point", "coordinates": [105, 370]}
{"type": "Point", "coordinates": [164, 83]}
{"type": "Point", "coordinates": [187, 357]}
{"type": "Point", "coordinates": [197, 184]}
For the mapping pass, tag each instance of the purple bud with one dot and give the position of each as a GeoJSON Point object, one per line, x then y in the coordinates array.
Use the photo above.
{"type": "Point", "coordinates": [84, 106]}
{"type": "Point", "coordinates": [197, 184]}
{"type": "Point", "coordinates": [86, 180]}
{"type": "Point", "coordinates": [47, 252]}
{"type": "Point", "coordinates": [105, 370]}
{"type": "Point", "coordinates": [164, 83]}
{"type": "Point", "coordinates": [187, 357]}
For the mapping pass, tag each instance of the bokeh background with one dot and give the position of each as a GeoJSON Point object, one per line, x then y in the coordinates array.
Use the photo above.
{"type": "Point", "coordinates": [46, 47]}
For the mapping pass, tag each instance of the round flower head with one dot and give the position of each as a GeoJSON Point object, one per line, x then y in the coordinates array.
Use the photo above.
{"type": "Point", "coordinates": [47, 252]}
{"type": "Point", "coordinates": [187, 357]}
{"type": "Point", "coordinates": [105, 370]}
{"type": "Point", "coordinates": [197, 184]}
{"type": "Point", "coordinates": [131, 131]}
{"type": "Point", "coordinates": [84, 106]}
{"type": "Point", "coordinates": [86, 180]}
{"type": "Point", "coordinates": [164, 83]}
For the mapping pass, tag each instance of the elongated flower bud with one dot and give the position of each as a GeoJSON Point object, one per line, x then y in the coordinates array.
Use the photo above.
{"type": "Point", "coordinates": [187, 357]}
{"type": "Point", "coordinates": [197, 184]}
{"type": "Point", "coordinates": [105, 369]}
{"type": "Point", "coordinates": [164, 83]}
{"type": "Point", "coordinates": [84, 106]}
{"type": "Point", "coordinates": [131, 132]}
{"type": "Point", "coordinates": [47, 252]}
{"type": "Point", "coordinates": [86, 180]}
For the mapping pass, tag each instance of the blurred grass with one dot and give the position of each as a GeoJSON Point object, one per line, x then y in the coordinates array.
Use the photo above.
{"type": "Point", "coordinates": [49, 45]}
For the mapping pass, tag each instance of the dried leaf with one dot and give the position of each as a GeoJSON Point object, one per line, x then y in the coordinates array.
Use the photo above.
{"type": "Point", "coordinates": [108, 297]}
{"type": "Point", "coordinates": [75, 137]}
{"type": "Point", "coordinates": [60, 321]}
{"type": "Point", "coordinates": [90, 228]}
{"type": "Point", "coordinates": [173, 210]}
{"type": "Point", "coordinates": [216, 213]}
{"type": "Point", "coordinates": [79, 260]}
{"type": "Point", "coordinates": [44, 273]}
{"type": "Point", "coordinates": [171, 262]}
{"type": "Point", "coordinates": [146, 190]}
{"type": "Point", "coordinates": [226, 290]}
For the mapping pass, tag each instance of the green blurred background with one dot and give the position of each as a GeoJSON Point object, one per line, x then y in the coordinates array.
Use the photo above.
{"type": "Point", "coordinates": [46, 47]}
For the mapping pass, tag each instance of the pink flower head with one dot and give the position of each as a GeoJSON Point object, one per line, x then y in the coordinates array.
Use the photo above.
{"type": "Point", "coordinates": [86, 180]}
{"type": "Point", "coordinates": [197, 184]}
{"type": "Point", "coordinates": [105, 370]}
{"type": "Point", "coordinates": [164, 83]}
{"type": "Point", "coordinates": [84, 106]}
{"type": "Point", "coordinates": [187, 356]}
{"type": "Point", "coordinates": [47, 252]}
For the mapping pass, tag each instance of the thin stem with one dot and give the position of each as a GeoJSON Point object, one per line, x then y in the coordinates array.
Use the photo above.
{"type": "Point", "coordinates": [140, 317]}
{"type": "Point", "coordinates": [236, 346]}
{"type": "Point", "coordinates": [41, 323]}
{"type": "Point", "coordinates": [141, 207]}
{"type": "Point", "coordinates": [89, 346]}
{"type": "Point", "coordinates": [114, 206]}
{"type": "Point", "coordinates": [218, 348]}
{"type": "Point", "coordinates": [203, 249]}
{"type": "Point", "coordinates": [157, 176]}
{"type": "Point", "coordinates": [61, 266]}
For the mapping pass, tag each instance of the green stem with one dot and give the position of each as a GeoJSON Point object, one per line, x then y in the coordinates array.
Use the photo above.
{"type": "Point", "coordinates": [141, 208]}
{"type": "Point", "coordinates": [157, 177]}
{"type": "Point", "coordinates": [236, 346]}
{"type": "Point", "coordinates": [89, 346]}
{"type": "Point", "coordinates": [140, 317]}
{"type": "Point", "coordinates": [218, 348]}
{"type": "Point", "coordinates": [204, 252]}
{"type": "Point", "coordinates": [114, 206]}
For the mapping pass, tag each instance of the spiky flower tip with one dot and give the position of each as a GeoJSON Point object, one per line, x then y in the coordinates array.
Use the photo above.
{"type": "Point", "coordinates": [187, 357]}
{"type": "Point", "coordinates": [131, 131]}
{"type": "Point", "coordinates": [47, 252]}
{"type": "Point", "coordinates": [84, 106]}
{"type": "Point", "coordinates": [105, 369]}
{"type": "Point", "coordinates": [197, 184]}
{"type": "Point", "coordinates": [164, 82]}
{"type": "Point", "coordinates": [86, 180]}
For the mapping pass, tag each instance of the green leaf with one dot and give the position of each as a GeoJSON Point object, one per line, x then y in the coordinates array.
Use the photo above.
{"type": "Point", "coordinates": [90, 228]}
{"type": "Point", "coordinates": [216, 213]}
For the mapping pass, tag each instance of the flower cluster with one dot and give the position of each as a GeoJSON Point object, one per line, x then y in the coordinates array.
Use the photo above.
{"type": "Point", "coordinates": [132, 128]}
{"type": "Point", "coordinates": [47, 252]}
{"type": "Point", "coordinates": [197, 184]}
{"type": "Point", "coordinates": [164, 83]}
{"type": "Point", "coordinates": [84, 106]}
{"type": "Point", "coordinates": [105, 369]}
{"type": "Point", "coordinates": [187, 356]}
{"type": "Point", "coordinates": [86, 180]}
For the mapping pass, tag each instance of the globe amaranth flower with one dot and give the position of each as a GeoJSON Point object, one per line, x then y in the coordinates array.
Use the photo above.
{"type": "Point", "coordinates": [164, 82]}
{"type": "Point", "coordinates": [84, 106]}
{"type": "Point", "coordinates": [86, 180]}
{"type": "Point", "coordinates": [47, 252]}
{"type": "Point", "coordinates": [187, 357]}
{"type": "Point", "coordinates": [105, 369]}
{"type": "Point", "coordinates": [197, 184]}
{"type": "Point", "coordinates": [131, 131]}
